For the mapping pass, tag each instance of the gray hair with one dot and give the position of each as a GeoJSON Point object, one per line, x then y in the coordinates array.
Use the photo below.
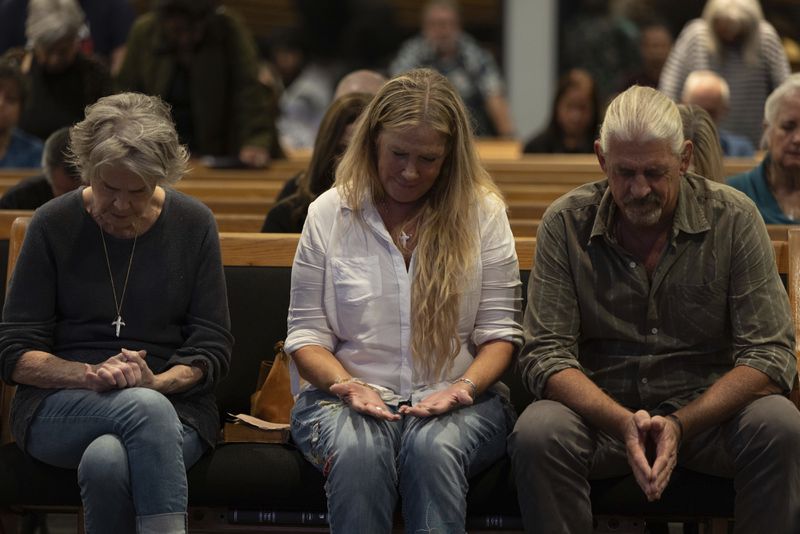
{"type": "Point", "coordinates": [132, 130]}
{"type": "Point", "coordinates": [703, 78]}
{"type": "Point", "coordinates": [775, 101]}
{"type": "Point", "coordinates": [642, 114]}
{"type": "Point", "coordinates": [746, 14]}
{"type": "Point", "coordinates": [50, 21]}
{"type": "Point", "coordinates": [56, 154]}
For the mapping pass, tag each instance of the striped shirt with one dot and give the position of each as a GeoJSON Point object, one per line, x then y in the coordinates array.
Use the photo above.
{"type": "Point", "coordinates": [749, 84]}
{"type": "Point", "coordinates": [714, 301]}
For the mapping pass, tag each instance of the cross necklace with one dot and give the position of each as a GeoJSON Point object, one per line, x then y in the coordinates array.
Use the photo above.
{"type": "Point", "coordinates": [118, 323]}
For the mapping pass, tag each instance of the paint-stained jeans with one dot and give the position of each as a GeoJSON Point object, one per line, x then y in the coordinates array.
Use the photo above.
{"type": "Point", "coordinates": [427, 461]}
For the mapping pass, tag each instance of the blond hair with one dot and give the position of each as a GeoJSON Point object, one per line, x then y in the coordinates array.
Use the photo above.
{"type": "Point", "coordinates": [699, 128]}
{"type": "Point", "coordinates": [447, 245]}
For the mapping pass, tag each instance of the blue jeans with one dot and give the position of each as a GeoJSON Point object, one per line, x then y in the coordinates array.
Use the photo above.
{"type": "Point", "coordinates": [131, 452]}
{"type": "Point", "coordinates": [369, 463]}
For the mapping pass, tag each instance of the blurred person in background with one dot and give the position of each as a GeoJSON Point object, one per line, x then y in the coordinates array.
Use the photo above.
{"type": "Point", "coordinates": [360, 81]}
{"type": "Point", "coordinates": [17, 148]}
{"type": "Point", "coordinates": [201, 60]}
{"type": "Point", "coordinates": [307, 86]}
{"type": "Point", "coordinates": [602, 41]}
{"type": "Point", "coordinates": [710, 91]}
{"type": "Point", "coordinates": [732, 39]}
{"type": "Point", "coordinates": [443, 46]}
{"type": "Point", "coordinates": [574, 120]}
{"type": "Point", "coordinates": [699, 128]}
{"type": "Point", "coordinates": [107, 25]}
{"type": "Point", "coordinates": [62, 80]}
{"type": "Point", "coordinates": [774, 184]}
{"type": "Point", "coordinates": [335, 132]}
{"type": "Point", "coordinates": [655, 43]}
{"type": "Point", "coordinates": [59, 176]}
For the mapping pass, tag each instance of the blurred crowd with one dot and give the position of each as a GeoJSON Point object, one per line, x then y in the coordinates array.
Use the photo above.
{"type": "Point", "coordinates": [239, 99]}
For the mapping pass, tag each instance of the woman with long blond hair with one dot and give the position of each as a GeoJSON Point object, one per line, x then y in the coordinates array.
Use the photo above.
{"type": "Point", "coordinates": [404, 314]}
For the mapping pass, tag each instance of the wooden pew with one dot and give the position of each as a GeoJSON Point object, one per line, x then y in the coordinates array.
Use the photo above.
{"type": "Point", "coordinates": [239, 222]}
{"type": "Point", "coordinates": [230, 188]}
{"type": "Point", "coordinates": [522, 204]}
{"type": "Point", "coordinates": [572, 169]}
{"type": "Point", "coordinates": [501, 161]}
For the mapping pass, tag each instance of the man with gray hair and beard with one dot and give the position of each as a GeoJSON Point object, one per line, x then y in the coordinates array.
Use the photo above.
{"type": "Point", "coordinates": [657, 333]}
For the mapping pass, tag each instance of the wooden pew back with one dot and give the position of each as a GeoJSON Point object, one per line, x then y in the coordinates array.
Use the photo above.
{"type": "Point", "coordinates": [277, 250]}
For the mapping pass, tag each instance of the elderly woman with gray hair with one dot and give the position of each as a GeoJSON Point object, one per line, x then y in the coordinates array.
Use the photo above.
{"type": "Point", "coordinates": [62, 80]}
{"type": "Point", "coordinates": [116, 326]}
{"type": "Point", "coordinates": [774, 184]}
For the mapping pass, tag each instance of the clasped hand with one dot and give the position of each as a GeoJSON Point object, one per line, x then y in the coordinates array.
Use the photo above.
{"type": "Point", "coordinates": [657, 437]}
{"type": "Point", "coordinates": [366, 400]}
{"type": "Point", "coordinates": [124, 370]}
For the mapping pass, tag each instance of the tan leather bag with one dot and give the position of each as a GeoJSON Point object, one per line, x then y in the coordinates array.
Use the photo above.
{"type": "Point", "coordinates": [273, 399]}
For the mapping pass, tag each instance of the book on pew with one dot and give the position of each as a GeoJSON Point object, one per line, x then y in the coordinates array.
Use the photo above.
{"type": "Point", "coordinates": [255, 517]}
{"type": "Point", "coordinates": [243, 428]}
{"type": "Point", "coordinates": [496, 522]}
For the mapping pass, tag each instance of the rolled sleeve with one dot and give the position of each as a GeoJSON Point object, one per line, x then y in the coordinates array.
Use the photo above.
{"type": "Point", "coordinates": [551, 324]}
{"type": "Point", "coordinates": [308, 322]}
{"type": "Point", "coordinates": [499, 311]}
{"type": "Point", "coordinates": [763, 335]}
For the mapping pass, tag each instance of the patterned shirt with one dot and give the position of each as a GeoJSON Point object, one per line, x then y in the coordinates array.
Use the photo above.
{"type": "Point", "coordinates": [749, 84]}
{"type": "Point", "coordinates": [473, 72]}
{"type": "Point", "coordinates": [714, 301]}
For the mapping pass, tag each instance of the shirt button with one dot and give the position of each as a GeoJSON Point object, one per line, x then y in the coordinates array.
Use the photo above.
{"type": "Point", "coordinates": [632, 265]}
{"type": "Point", "coordinates": [654, 330]}
{"type": "Point", "coordinates": [644, 380]}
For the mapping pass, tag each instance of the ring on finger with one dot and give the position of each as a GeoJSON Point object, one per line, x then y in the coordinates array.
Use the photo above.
{"type": "Point", "coordinates": [378, 408]}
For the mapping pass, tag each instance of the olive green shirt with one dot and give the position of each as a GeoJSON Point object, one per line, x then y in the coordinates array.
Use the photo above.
{"type": "Point", "coordinates": [229, 108]}
{"type": "Point", "coordinates": [714, 301]}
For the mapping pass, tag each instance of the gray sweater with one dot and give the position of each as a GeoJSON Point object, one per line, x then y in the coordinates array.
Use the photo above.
{"type": "Point", "coordinates": [175, 307]}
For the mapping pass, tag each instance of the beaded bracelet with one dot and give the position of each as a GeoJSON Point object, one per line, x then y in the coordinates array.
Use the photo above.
{"type": "Point", "coordinates": [353, 380]}
{"type": "Point", "coordinates": [469, 382]}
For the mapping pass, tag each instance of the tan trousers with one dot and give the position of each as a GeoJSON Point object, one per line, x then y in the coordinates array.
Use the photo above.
{"type": "Point", "coordinates": [555, 453]}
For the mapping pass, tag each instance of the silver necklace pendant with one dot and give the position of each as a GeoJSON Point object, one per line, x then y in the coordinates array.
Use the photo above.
{"type": "Point", "coordinates": [404, 238]}
{"type": "Point", "coordinates": [118, 324]}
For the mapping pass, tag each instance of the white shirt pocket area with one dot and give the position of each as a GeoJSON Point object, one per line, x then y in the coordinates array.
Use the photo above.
{"type": "Point", "coordinates": [356, 280]}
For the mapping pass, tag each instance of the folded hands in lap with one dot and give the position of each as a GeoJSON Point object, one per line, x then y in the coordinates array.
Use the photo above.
{"type": "Point", "coordinates": [655, 437]}
{"type": "Point", "coordinates": [124, 370]}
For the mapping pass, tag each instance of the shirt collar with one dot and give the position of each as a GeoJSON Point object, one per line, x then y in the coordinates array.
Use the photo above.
{"type": "Point", "coordinates": [368, 213]}
{"type": "Point", "coordinates": [689, 214]}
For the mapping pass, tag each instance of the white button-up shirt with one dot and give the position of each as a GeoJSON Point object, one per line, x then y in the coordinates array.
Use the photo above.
{"type": "Point", "coordinates": [351, 294]}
